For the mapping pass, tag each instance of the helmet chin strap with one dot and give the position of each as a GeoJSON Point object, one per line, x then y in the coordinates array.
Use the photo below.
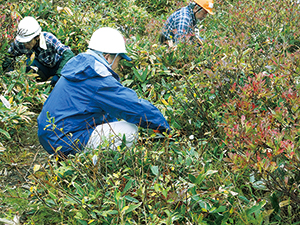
{"type": "Point", "coordinates": [102, 56]}
{"type": "Point", "coordinates": [114, 60]}
{"type": "Point", "coordinates": [198, 10]}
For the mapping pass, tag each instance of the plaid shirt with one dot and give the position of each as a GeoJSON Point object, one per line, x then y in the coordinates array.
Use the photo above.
{"type": "Point", "coordinates": [180, 24]}
{"type": "Point", "coordinates": [48, 57]}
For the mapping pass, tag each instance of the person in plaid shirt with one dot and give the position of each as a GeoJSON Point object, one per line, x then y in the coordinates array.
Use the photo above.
{"type": "Point", "coordinates": [182, 24]}
{"type": "Point", "coordinates": [50, 55]}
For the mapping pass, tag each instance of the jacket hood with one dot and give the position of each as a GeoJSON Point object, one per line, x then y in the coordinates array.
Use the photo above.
{"type": "Point", "coordinates": [85, 66]}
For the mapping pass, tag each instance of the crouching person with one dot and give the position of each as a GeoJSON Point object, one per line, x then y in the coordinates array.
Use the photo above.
{"type": "Point", "coordinates": [50, 54]}
{"type": "Point", "coordinates": [181, 26]}
{"type": "Point", "coordinates": [89, 104]}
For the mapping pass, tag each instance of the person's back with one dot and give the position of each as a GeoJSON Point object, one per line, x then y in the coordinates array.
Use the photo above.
{"type": "Point", "coordinates": [72, 107]}
{"type": "Point", "coordinates": [88, 97]}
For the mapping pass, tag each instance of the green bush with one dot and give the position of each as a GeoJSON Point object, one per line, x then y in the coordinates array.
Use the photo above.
{"type": "Point", "coordinates": [233, 104]}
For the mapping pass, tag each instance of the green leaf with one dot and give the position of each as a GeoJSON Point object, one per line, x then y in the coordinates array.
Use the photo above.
{"type": "Point", "coordinates": [128, 186]}
{"type": "Point", "coordinates": [127, 82]}
{"type": "Point", "coordinates": [192, 178]}
{"type": "Point", "coordinates": [79, 189]}
{"type": "Point", "coordinates": [209, 172]}
{"type": "Point", "coordinates": [201, 177]}
{"type": "Point", "coordinates": [82, 222]}
{"type": "Point", "coordinates": [52, 196]}
{"type": "Point", "coordinates": [5, 133]}
{"type": "Point", "coordinates": [69, 200]}
{"type": "Point", "coordinates": [154, 170]}
{"type": "Point", "coordinates": [132, 207]}
{"type": "Point", "coordinates": [204, 205]}
{"type": "Point", "coordinates": [156, 187]}
{"type": "Point", "coordinates": [188, 161]}
{"type": "Point", "coordinates": [259, 185]}
{"type": "Point", "coordinates": [112, 212]}
{"type": "Point", "coordinates": [244, 199]}
{"type": "Point", "coordinates": [252, 178]}
{"type": "Point", "coordinates": [131, 199]}
{"type": "Point", "coordinates": [137, 74]}
{"type": "Point", "coordinates": [219, 210]}
{"type": "Point", "coordinates": [144, 75]}
{"type": "Point", "coordinates": [165, 193]}
{"type": "Point", "coordinates": [256, 208]}
{"type": "Point", "coordinates": [105, 213]}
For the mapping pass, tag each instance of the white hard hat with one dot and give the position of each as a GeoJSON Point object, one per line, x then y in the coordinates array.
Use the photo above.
{"type": "Point", "coordinates": [28, 28]}
{"type": "Point", "coordinates": [109, 40]}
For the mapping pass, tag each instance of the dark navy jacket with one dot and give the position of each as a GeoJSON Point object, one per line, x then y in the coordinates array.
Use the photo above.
{"type": "Point", "coordinates": [89, 94]}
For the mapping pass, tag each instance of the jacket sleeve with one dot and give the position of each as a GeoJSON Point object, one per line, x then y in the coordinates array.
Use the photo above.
{"type": "Point", "coordinates": [123, 103]}
{"type": "Point", "coordinates": [66, 56]}
{"type": "Point", "coordinates": [17, 49]}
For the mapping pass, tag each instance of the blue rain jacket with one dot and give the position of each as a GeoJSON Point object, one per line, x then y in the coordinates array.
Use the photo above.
{"type": "Point", "coordinates": [89, 94]}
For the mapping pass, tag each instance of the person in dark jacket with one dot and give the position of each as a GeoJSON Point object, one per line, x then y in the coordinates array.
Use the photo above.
{"type": "Point", "coordinates": [89, 106]}
{"type": "Point", "coordinates": [50, 54]}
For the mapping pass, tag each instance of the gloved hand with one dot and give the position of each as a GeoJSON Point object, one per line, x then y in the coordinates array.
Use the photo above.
{"type": "Point", "coordinates": [7, 64]}
{"type": "Point", "coordinates": [54, 79]}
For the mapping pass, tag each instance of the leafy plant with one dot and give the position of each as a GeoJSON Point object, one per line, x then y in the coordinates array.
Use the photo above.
{"type": "Point", "coordinates": [232, 103]}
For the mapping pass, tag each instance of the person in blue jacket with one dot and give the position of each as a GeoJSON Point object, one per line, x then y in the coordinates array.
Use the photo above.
{"type": "Point", "coordinates": [89, 105]}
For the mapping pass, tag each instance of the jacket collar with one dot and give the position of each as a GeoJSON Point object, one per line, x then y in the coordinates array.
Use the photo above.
{"type": "Point", "coordinates": [190, 7]}
{"type": "Point", "coordinates": [104, 62]}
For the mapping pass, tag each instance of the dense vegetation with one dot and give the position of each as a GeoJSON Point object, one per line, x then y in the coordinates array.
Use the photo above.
{"type": "Point", "coordinates": [233, 157]}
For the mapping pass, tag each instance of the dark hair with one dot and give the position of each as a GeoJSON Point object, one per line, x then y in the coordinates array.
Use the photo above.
{"type": "Point", "coordinates": [111, 54]}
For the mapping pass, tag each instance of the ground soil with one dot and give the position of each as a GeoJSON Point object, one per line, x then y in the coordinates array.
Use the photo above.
{"type": "Point", "coordinates": [19, 159]}
{"type": "Point", "coordinates": [16, 164]}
